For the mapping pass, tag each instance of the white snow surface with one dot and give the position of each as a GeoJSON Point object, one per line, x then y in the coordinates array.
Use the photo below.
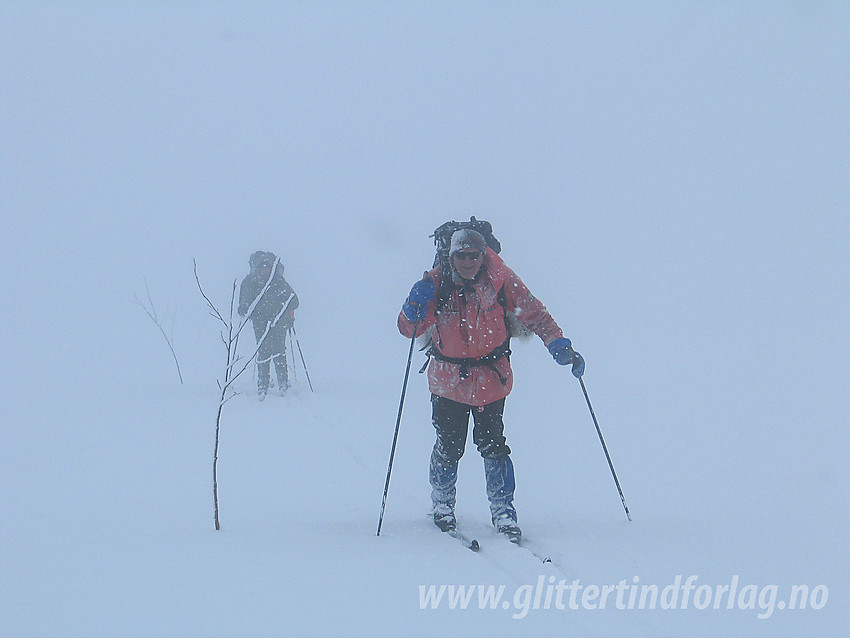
{"type": "Point", "coordinates": [669, 178]}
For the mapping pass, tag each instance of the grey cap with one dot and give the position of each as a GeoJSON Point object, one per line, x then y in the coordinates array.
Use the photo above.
{"type": "Point", "coordinates": [467, 238]}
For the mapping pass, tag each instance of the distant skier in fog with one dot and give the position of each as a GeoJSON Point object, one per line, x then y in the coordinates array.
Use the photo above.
{"type": "Point", "coordinates": [271, 302]}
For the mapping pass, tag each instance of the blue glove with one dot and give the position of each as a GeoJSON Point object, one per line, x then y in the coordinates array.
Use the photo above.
{"type": "Point", "coordinates": [421, 293]}
{"type": "Point", "coordinates": [578, 365]}
{"type": "Point", "coordinates": [563, 353]}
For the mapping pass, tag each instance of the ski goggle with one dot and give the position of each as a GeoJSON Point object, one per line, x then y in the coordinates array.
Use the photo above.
{"type": "Point", "coordinates": [464, 256]}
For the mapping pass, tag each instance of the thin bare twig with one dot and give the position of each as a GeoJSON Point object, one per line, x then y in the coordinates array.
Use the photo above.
{"type": "Point", "coordinates": [151, 312]}
{"type": "Point", "coordinates": [230, 339]}
{"type": "Point", "coordinates": [213, 310]}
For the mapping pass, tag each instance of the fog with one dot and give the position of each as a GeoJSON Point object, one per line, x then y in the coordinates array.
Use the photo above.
{"type": "Point", "coordinates": [669, 179]}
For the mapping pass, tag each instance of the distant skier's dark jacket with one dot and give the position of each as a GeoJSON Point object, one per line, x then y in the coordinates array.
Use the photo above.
{"type": "Point", "coordinates": [272, 302]}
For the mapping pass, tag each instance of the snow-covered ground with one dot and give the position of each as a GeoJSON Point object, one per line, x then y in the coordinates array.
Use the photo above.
{"type": "Point", "coordinates": [670, 179]}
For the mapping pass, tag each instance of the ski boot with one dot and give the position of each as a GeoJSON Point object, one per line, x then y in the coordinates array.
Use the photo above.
{"type": "Point", "coordinates": [444, 518]}
{"type": "Point", "coordinates": [505, 523]}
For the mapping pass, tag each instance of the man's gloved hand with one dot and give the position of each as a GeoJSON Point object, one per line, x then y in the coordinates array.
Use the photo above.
{"type": "Point", "coordinates": [563, 353]}
{"type": "Point", "coordinates": [578, 365]}
{"type": "Point", "coordinates": [421, 293]}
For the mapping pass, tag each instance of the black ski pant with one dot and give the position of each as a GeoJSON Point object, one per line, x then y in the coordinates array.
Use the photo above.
{"type": "Point", "coordinates": [451, 422]}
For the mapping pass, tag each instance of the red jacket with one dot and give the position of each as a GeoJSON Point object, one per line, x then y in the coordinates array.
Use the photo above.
{"type": "Point", "coordinates": [472, 325]}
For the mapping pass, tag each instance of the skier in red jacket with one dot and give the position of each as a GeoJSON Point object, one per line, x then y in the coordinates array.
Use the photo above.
{"type": "Point", "coordinates": [464, 311]}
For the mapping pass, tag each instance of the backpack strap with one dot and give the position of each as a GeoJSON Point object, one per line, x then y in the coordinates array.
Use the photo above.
{"type": "Point", "coordinates": [465, 363]}
{"type": "Point", "coordinates": [503, 350]}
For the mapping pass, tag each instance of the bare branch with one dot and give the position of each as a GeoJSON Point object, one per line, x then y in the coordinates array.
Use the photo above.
{"type": "Point", "coordinates": [214, 311]}
{"type": "Point", "coordinates": [151, 313]}
{"type": "Point", "coordinates": [230, 340]}
{"type": "Point", "coordinates": [232, 395]}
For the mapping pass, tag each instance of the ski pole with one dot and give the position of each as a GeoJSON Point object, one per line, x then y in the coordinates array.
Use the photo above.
{"type": "Point", "coordinates": [605, 448]}
{"type": "Point", "coordinates": [298, 343]}
{"type": "Point", "coordinates": [397, 423]}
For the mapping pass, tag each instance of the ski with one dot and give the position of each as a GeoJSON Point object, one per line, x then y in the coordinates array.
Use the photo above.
{"type": "Point", "coordinates": [469, 543]}
{"type": "Point", "coordinates": [543, 558]}
{"type": "Point", "coordinates": [522, 543]}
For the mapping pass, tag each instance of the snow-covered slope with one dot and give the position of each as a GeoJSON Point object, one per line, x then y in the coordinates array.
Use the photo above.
{"type": "Point", "coordinates": [670, 181]}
